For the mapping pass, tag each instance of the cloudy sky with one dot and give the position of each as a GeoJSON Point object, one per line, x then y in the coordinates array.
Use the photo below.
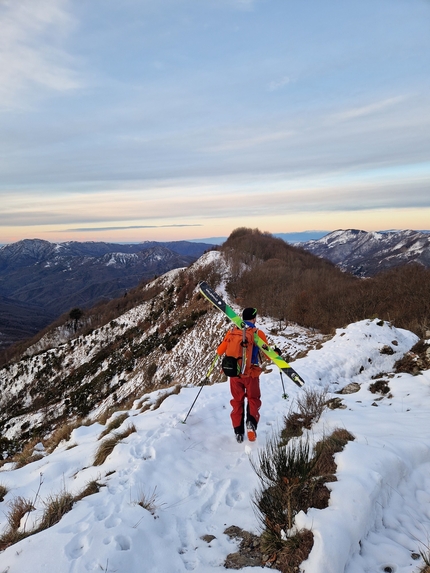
{"type": "Point", "coordinates": [171, 119]}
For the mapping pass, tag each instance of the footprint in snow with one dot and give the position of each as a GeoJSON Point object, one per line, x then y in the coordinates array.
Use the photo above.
{"type": "Point", "coordinates": [219, 490]}
{"type": "Point", "coordinates": [234, 494]}
{"type": "Point", "coordinates": [101, 513]}
{"type": "Point", "coordinates": [123, 543]}
{"type": "Point", "coordinates": [188, 539]}
{"type": "Point", "coordinates": [201, 482]}
{"type": "Point", "coordinates": [112, 521]}
{"type": "Point", "coordinates": [142, 451]}
{"type": "Point", "coordinates": [76, 547]}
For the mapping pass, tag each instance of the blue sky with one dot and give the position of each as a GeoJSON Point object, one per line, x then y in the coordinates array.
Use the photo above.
{"type": "Point", "coordinates": [176, 119]}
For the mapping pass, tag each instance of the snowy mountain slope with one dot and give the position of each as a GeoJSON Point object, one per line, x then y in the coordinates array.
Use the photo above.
{"type": "Point", "coordinates": [56, 277]}
{"type": "Point", "coordinates": [169, 339]}
{"type": "Point", "coordinates": [202, 479]}
{"type": "Point", "coordinates": [367, 253]}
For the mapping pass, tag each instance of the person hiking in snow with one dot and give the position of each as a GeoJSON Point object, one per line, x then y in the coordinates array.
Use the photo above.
{"type": "Point", "coordinates": [246, 384]}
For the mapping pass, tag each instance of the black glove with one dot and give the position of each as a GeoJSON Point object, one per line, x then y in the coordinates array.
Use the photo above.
{"type": "Point", "coordinates": [204, 382]}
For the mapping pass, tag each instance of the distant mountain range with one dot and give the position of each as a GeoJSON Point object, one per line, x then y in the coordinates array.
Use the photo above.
{"type": "Point", "coordinates": [292, 238]}
{"type": "Point", "coordinates": [365, 253]}
{"type": "Point", "coordinates": [40, 280]}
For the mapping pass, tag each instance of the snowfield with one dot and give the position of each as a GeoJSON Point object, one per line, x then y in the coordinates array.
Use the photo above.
{"type": "Point", "coordinates": [201, 480]}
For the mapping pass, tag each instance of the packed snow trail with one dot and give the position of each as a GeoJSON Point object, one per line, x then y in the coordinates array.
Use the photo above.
{"type": "Point", "coordinates": [202, 479]}
{"type": "Point", "coordinates": [203, 482]}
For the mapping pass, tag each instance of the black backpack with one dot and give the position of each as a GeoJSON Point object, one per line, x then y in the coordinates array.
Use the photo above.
{"type": "Point", "coordinates": [230, 366]}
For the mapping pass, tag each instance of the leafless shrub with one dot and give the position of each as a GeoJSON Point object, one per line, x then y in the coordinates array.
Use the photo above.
{"type": "Point", "coordinates": [311, 404]}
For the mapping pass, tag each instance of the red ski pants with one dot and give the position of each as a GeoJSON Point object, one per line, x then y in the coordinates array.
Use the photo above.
{"type": "Point", "coordinates": [241, 388]}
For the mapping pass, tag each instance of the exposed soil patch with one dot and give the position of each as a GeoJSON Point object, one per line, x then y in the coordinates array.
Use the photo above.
{"type": "Point", "coordinates": [380, 387]}
{"type": "Point", "coordinates": [250, 553]}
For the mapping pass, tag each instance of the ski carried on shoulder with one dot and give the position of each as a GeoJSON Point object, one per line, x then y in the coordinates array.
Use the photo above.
{"type": "Point", "coordinates": [221, 305]}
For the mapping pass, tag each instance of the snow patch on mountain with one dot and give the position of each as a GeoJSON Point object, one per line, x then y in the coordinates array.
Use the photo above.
{"type": "Point", "coordinates": [365, 253]}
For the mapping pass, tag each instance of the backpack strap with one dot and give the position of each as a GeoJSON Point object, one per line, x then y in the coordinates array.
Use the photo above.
{"type": "Point", "coordinates": [244, 347]}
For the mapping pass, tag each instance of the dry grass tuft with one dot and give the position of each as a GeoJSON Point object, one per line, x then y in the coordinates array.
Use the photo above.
{"type": "Point", "coordinates": [105, 448]}
{"type": "Point", "coordinates": [327, 448]}
{"type": "Point", "coordinates": [295, 551]}
{"type": "Point", "coordinates": [27, 455]}
{"type": "Point", "coordinates": [61, 434]}
{"type": "Point", "coordinates": [106, 414]}
{"type": "Point", "coordinates": [164, 395]}
{"type": "Point", "coordinates": [91, 488]}
{"type": "Point", "coordinates": [130, 429]}
{"type": "Point", "coordinates": [148, 501]}
{"type": "Point", "coordinates": [19, 507]}
{"type": "Point", "coordinates": [55, 507]}
{"type": "Point", "coordinates": [108, 444]}
{"type": "Point", "coordinates": [146, 405]}
{"type": "Point", "coordinates": [114, 424]}
{"type": "Point", "coordinates": [10, 537]}
{"type": "Point", "coordinates": [3, 492]}
{"type": "Point", "coordinates": [310, 406]}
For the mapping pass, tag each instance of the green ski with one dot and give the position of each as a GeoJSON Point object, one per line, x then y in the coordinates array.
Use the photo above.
{"type": "Point", "coordinates": [221, 305]}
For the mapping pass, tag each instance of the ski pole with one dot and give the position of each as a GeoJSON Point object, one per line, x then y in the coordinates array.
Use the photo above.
{"type": "Point", "coordinates": [284, 395]}
{"type": "Point", "coordinates": [203, 383]}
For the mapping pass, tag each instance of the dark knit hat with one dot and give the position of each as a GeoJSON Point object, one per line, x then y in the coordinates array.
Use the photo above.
{"type": "Point", "coordinates": [249, 313]}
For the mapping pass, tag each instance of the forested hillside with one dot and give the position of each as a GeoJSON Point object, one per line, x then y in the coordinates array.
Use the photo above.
{"type": "Point", "coordinates": [290, 284]}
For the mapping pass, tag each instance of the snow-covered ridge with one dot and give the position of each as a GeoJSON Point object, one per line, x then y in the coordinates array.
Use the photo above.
{"type": "Point", "coordinates": [377, 517]}
{"type": "Point", "coordinates": [201, 479]}
{"type": "Point", "coordinates": [365, 253]}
